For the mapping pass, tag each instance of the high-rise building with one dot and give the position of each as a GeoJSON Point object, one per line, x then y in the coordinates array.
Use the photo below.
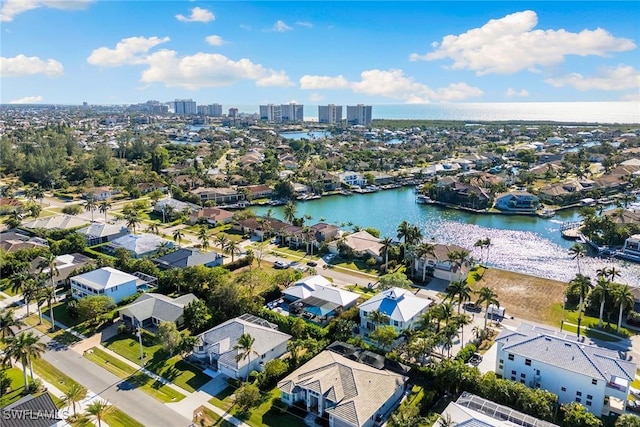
{"type": "Point", "coordinates": [213, 110]}
{"type": "Point", "coordinates": [282, 113]}
{"type": "Point", "coordinates": [271, 113]}
{"type": "Point", "coordinates": [329, 113]}
{"type": "Point", "coordinates": [359, 114]}
{"type": "Point", "coordinates": [183, 106]}
{"type": "Point", "coordinates": [233, 112]}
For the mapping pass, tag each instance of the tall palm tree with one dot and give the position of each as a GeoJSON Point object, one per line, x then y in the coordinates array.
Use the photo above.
{"type": "Point", "coordinates": [577, 252]}
{"type": "Point", "coordinates": [90, 206]}
{"type": "Point", "coordinates": [49, 266]}
{"type": "Point", "coordinates": [244, 347]}
{"type": "Point", "coordinates": [153, 228]}
{"type": "Point", "coordinates": [178, 235]}
{"type": "Point", "coordinates": [487, 244]}
{"type": "Point", "coordinates": [38, 193]}
{"type": "Point", "coordinates": [8, 321]}
{"type": "Point", "coordinates": [233, 248]}
{"type": "Point", "coordinates": [222, 241]}
{"type": "Point", "coordinates": [133, 219]}
{"type": "Point", "coordinates": [74, 394]}
{"type": "Point", "coordinates": [387, 244]}
{"type": "Point", "coordinates": [462, 320]}
{"type": "Point", "coordinates": [30, 289]}
{"type": "Point", "coordinates": [414, 235]}
{"type": "Point", "coordinates": [479, 244]}
{"type": "Point", "coordinates": [404, 229]}
{"type": "Point", "coordinates": [422, 251]}
{"type": "Point", "coordinates": [24, 348]}
{"type": "Point", "coordinates": [582, 285]}
{"type": "Point", "coordinates": [623, 298]}
{"type": "Point", "coordinates": [459, 290]}
{"type": "Point", "coordinates": [378, 318]}
{"type": "Point", "coordinates": [487, 296]}
{"type": "Point", "coordinates": [98, 409]}
{"type": "Point", "coordinates": [611, 274]}
{"type": "Point", "coordinates": [203, 236]}
{"type": "Point", "coordinates": [104, 207]}
{"type": "Point", "coordinates": [600, 291]}
{"type": "Point", "coordinates": [47, 295]}
{"type": "Point", "coordinates": [290, 211]}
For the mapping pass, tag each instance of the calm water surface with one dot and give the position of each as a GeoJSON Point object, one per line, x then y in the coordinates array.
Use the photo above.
{"type": "Point", "coordinates": [520, 243]}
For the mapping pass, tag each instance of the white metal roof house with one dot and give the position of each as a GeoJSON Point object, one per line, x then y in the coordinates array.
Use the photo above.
{"type": "Point", "coordinates": [140, 245]}
{"type": "Point", "coordinates": [574, 370]}
{"type": "Point", "coordinates": [108, 281]}
{"type": "Point", "coordinates": [402, 307]}
{"type": "Point", "coordinates": [351, 393]}
{"type": "Point", "coordinates": [215, 346]}
{"type": "Point", "coordinates": [318, 298]}
{"type": "Point", "coordinates": [150, 309]}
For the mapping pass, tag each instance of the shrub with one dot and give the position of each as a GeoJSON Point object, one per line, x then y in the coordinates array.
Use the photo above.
{"type": "Point", "coordinates": [239, 263]}
{"type": "Point", "coordinates": [633, 318]}
{"type": "Point", "coordinates": [72, 308]}
{"type": "Point", "coordinates": [466, 352]}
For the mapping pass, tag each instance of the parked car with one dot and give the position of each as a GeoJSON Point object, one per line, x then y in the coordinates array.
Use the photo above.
{"type": "Point", "coordinates": [280, 264]}
{"type": "Point", "coordinates": [312, 263]}
{"type": "Point", "coordinates": [473, 307]}
{"type": "Point", "coordinates": [475, 359]}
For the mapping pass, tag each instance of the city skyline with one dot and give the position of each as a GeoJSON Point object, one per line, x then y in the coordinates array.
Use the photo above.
{"type": "Point", "coordinates": [313, 53]}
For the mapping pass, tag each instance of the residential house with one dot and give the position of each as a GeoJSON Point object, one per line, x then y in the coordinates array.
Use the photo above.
{"type": "Point", "coordinates": [151, 309]}
{"type": "Point", "coordinates": [216, 346]}
{"type": "Point", "coordinates": [212, 216]}
{"type": "Point", "coordinates": [57, 222]}
{"type": "Point", "coordinates": [451, 190]}
{"type": "Point", "coordinates": [8, 204]}
{"type": "Point", "coordinates": [351, 393]}
{"type": "Point", "coordinates": [260, 191]}
{"type": "Point", "coordinates": [100, 193]}
{"type": "Point", "coordinates": [361, 243]}
{"type": "Point", "coordinates": [32, 411]}
{"type": "Point", "coordinates": [440, 266]}
{"type": "Point", "coordinates": [352, 179]}
{"type": "Point", "coordinates": [474, 411]}
{"type": "Point", "coordinates": [324, 232]}
{"type": "Point", "coordinates": [315, 298]}
{"type": "Point", "coordinates": [14, 240]}
{"type": "Point", "coordinates": [566, 366]}
{"type": "Point", "coordinates": [110, 282]}
{"type": "Point", "coordinates": [148, 187]}
{"type": "Point", "coordinates": [401, 306]}
{"type": "Point", "coordinates": [169, 206]}
{"type": "Point", "coordinates": [293, 236]}
{"type": "Point", "coordinates": [188, 257]}
{"type": "Point", "coordinates": [139, 245]}
{"type": "Point", "coordinates": [220, 195]}
{"type": "Point", "coordinates": [521, 202]}
{"type": "Point", "coordinates": [66, 265]}
{"type": "Point", "coordinates": [97, 233]}
{"type": "Point", "coordinates": [330, 181]}
{"type": "Point", "coordinates": [260, 227]}
{"type": "Point", "coordinates": [380, 178]}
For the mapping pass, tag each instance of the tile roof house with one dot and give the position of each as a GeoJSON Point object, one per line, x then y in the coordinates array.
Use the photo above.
{"type": "Point", "coordinates": [31, 411]}
{"type": "Point", "coordinates": [188, 257]}
{"type": "Point", "coordinates": [361, 243]}
{"type": "Point", "coordinates": [351, 393]}
{"type": "Point", "coordinates": [402, 307]}
{"type": "Point", "coordinates": [110, 282]}
{"type": "Point", "coordinates": [150, 309]}
{"type": "Point", "coordinates": [566, 366]}
{"type": "Point", "coordinates": [215, 347]}
{"type": "Point", "coordinates": [212, 216]}
{"type": "Point", "coordinates": [517, 202]}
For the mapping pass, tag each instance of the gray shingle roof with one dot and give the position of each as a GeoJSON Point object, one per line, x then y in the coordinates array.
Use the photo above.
{"type": "Point", "coordinates": [159, 306]}
{"type": "Point", "coordinates": [30, 411]}
{"type": "Point", "coordinates": [186, 257]}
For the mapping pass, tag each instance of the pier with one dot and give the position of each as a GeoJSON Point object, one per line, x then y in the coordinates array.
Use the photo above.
{"type": "Point", "coordinates": [570, 230]}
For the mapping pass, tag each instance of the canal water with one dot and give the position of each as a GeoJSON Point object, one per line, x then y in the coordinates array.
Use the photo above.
{"type": "Point", "coordinates": [526, 244]}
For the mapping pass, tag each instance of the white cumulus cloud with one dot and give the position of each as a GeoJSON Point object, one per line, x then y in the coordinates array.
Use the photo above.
{"type": "Point", "coordinates": [27, 100]}
{"type": "Point", "coordinates": [323, 82]}
{"type": "Point", "coordinates": [393, 84]}
{"type": "Point", "coordinates": [132, 50]}
{"type": "Point", "coordinates": [198, 14]}
{"type": "Point", "coordinates": [623, 77]}
{"type": "Point", "coordinates": [12, 8]}
{"type": "Point", "coordinates": [511, 93]}
{"type": "Point", "coordinates": [22, 65]}
{"type": "Point", "coordinates": [207, 70]}
{"type": "Point", "coordinates": [281, 27]}
{"type": "Point", "coordinates": [214, 40]}
{"type": "Point", "coordinates": [511, 44]}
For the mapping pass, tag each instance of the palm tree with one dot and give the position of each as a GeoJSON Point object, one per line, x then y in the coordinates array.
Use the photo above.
{"type": "Point", "coordinates": [404, 229]}
{"type": "Point", "coordinates": [422, 251]}
{"type": "Point", "coordinates": [479, 244]}
{"type": "Point", "coordinates": [233, 248]}
{"type": "Point", "coordinates": [488, 297]}
{"type": "Point", "coordinates": [577, 252]}
{"type": "Point", "coordinates": [98, 409]}
{"type": "Point", "coordinates": [91, 205]}
{"type": "Point", "coordinates": [600, 291]}
{"type": "Point", "coordinates": [49, 266]}
{"type": "Point", "coordinates": [153, 228]}
{"type": "Point", "coordinates": [459, 290]}
{"type": "Point", "coordinates": [244, 347]}
{"type": "Point", "coordinates": [487, 244]}
{"type": "Point", "coordinates": [290, 212]}
{"type": "Point", "coordinates": [378, 318]}
{"type": "Point", "coordinates": [47, 295]}
{"type": "Point", "coordinates": [623, 298]}
{"type": "Point", "coordinates": [387, 243]}
{"type": "Point", "coordinates": [178, 235]}
{"type": "Point", "coordinates": [222, 241]}
{"type": "Point", "coordinates": [611, 274]}
{"type": "Point", "coordinates": [582, 285]}
{"type": "Point", "coordinates": [414, 235]}
{"type": "Point", "coordinates": [75, 393]}
{"type": "Point", "coordinates": [23, 348]}
{"type": "Point", "coordinates": [104, 207]}
{"type": "Point", "coordinates": [461, 321]}
{"type": "Point", "coordinates": [133, 219]}
{"type": "Point", "coordinates": [38, 193]}
{"type": "Point", "coordinates": [203, 236]}
{"type": "Point", "coordinates": [30, 289]}
{"type": "Point", "coordinates": [8, 321]}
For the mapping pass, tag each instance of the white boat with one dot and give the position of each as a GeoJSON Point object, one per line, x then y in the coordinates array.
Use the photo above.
{"type": "Point", "coordinates": [546, 213]}
{"type": "Point", "coordinates": [422, 199]}
{"type": "Point", "coordinates": [631, 249]}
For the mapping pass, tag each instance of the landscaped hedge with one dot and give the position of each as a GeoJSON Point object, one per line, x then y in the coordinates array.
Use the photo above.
{"type": "Point", "coordinates": [239, 263]}
{"type": "Point", "coordinates": [466, 352]}
{"type": "Point", "coordinates": [284, 323]}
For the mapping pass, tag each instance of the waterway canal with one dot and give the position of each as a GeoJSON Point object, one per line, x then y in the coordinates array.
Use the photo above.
{"type": "Point", "coordinates": [525, 244]}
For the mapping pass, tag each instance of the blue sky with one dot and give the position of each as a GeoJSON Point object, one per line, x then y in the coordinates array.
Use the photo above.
{"type": "Point", "coordinates": [248, 53]}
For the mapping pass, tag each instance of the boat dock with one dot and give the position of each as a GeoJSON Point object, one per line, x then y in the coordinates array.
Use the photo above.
{"type": "Point", "coordinates": [570, 230]}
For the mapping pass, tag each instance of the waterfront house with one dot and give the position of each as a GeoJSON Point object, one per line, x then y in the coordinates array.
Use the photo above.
{"type": "Point", "coordinates": [212, 216]}
{"type": "Point", "coordinates": [139, 245]}
{"type": "Point", "coordinates": [97, 233]}
{"type": "Point", "coordinates": [452, 190]}
{"type": "Point", "coordinates": [221, 195]}
{"type": "Point", "coordinates": [352, 179]}
{"type": "Point", "coordinates": [401, 306]}
{"type": "Point", "coordinates": [216, 346]}
{"type": "Point", "coordinates": [324, 232]}
{"type": "Point", "coordinates": [260, 191]}
{"type": "Point", "coordinates": [517, 202]}
{"type": "Point", "coordinates": [596, 377]}
{"type": "Point", "coordinates": [188, 257]}
{"type": "Point", "coordinates": [110, 282]}
{"type": "Point", "coordinates": [315, 298]}
{"type": "Point", "coordinates": [361, 243]}
{"type": "Point", "coordinates": [151, 309]}
{"type": "Point", "coordinates": [631, 248]}
{"type": "Point", "coordinates": [169, 206]}
{"type": "Point", "coordinates": [440, 266]}
{"type": "Point", "coordinates": [350, 393]}
{"type": "Point", "coordinates": [260, 227]}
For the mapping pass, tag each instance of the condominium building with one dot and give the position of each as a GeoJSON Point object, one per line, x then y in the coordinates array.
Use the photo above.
{"type": "Point", "coordinates": [213, 110]}
{"type": "Point", "coordinates": [282, 113]}
{"type": "Point", "coordinates": [183, 106]}
{"type": "Point", "coordinates": [329, 113]}
{"type": "Point", "coordinates": [359, 114]}
{"type": "Point", "coordinates": [271, 113]}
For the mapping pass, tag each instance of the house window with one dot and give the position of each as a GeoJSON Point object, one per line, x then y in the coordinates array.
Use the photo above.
{"type": "Point", "coordinates": [594, 381]}
{"type": "Point", "coordinates": [285, 396]}
{"type": "Point", "coordinates": [513, 372]}
{"type": "Point", "coordinates": [511, 357]}
{"type": "Point", "coordinates": [589, 397]}
{"type": "Point", "coordinates": [578, 393]}
{"type": "Point", "coordinates": [523, 375]}
{"type": "Point", "coordinates": [537, 371]}
{"type": "Point", "coordinates": [522, 381]}
{"type": "Point", "coordinates": [395, 323]}
{"type": "Point", "coordinates": [578, 400]}
{"type": "Point", "coordinates": [501, 361]}
{"type": "Point", "coordinates": [588, 403]}
{"type": "Point", "coordinates": [527, 362]}
{"type": "Point", "coordinates": [563, 388]}
{"type": "Point", "coordinates": [513, 378]}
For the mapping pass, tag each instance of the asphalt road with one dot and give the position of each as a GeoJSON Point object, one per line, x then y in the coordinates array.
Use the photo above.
{"type": "Point", "coordinates": [135, 403]}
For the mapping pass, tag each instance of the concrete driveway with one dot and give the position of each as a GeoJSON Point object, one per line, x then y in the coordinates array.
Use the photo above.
{"type": "Point", "coordinates": [215, 386]}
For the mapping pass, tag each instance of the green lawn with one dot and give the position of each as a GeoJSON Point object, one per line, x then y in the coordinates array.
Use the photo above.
{"type": "Point", "coordinates": [262, 416]}
{"type": "Point", "coordinates": [356, 265]}
{"type": "Point", "coordinates": [135, 378]}
{"type": "Point", "coordinates": [158, 361]}
{"type": "Point", "coordinates": [117, 418]}
{"type": "Point", "coordinates": [590, 322]}
{"type": "Point", "coordinates": [209, 418]}
{"type": "Point", "coordinates": [17, 387]}
{"type": "Point", "coordinates": [52, 375]}
{"type": "Point", "coordinates": [59, 335]}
